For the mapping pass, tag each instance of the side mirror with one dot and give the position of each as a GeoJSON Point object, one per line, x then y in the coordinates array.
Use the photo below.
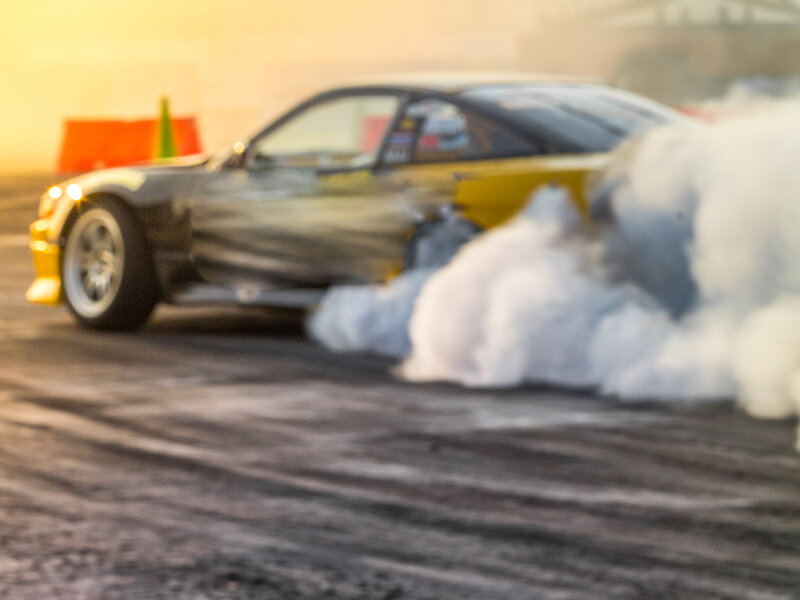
{"type": "Point", "coordinates": [236, 160]}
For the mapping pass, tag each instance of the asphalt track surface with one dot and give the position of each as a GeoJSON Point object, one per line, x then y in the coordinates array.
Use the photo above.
{"type": "Point", "coordinates": [221, 454]}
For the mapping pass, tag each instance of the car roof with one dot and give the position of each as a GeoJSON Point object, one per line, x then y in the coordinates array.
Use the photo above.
{"type": "Point", "coordinates": [454, 82]}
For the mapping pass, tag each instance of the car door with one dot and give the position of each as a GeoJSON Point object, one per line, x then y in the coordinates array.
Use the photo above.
{"type": "Point", "coordinates": [304, 209]}
{"type": "Point", "coordinates": [489, 170]}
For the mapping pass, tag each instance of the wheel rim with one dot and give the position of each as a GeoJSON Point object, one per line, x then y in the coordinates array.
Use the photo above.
{"type": "Point", "coordinates": [93, 262]}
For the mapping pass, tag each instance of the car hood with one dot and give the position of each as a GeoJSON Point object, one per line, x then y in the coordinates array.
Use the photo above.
{"type": "Point", "coordinates": [146, 184]}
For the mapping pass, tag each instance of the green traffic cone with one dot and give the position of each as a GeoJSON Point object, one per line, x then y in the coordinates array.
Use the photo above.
{"type": "Point", "coordinates": [166, 135]}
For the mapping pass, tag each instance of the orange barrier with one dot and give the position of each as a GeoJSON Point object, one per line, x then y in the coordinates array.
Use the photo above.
{"type": "Point", "coordinates": [93, 144]}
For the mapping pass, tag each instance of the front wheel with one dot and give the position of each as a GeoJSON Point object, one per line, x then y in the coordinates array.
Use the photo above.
{"type": "Point", "coordinates": [107, 271]}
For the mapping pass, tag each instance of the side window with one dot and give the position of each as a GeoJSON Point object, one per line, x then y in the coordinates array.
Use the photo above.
{"type": "Point", "coordinates": [433, 130]}
{"type": "Point", "coordinates": [344, 133]}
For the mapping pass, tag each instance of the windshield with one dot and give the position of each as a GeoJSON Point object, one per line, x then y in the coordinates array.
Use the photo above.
{"type": "Point", "coordinates": [587, 117]}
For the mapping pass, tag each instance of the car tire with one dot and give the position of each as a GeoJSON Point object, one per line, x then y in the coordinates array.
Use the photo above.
{"type": "Point", "coordinates": [107, 269]}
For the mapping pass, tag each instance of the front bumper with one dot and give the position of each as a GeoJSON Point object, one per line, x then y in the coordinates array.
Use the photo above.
{"type": "Point", "coordinates": [46, 288]}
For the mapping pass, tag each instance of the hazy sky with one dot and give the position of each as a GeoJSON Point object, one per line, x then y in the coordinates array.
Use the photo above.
{"type": "Point", "coordinates": [231, 63]}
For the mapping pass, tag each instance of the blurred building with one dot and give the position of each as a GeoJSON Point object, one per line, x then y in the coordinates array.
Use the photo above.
{"type": "Point", "coordinates": [670, 49]}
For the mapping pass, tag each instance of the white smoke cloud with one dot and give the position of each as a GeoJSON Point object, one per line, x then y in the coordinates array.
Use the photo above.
{"type": "Point", "coordinates": [508, 308]}
{"type": "Point", "coordinates": [359, 318]}
{"type": "Point", "coordinates": [691, 290]}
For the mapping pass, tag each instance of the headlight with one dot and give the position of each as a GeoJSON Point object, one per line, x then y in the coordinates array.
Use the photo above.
{"type": "Point", "coordinates": [51, 198]}
{"type": "Point", "coordinates": [74, 191]}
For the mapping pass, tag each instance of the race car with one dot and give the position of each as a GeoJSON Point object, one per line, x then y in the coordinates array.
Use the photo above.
{"type": "Point", "coordinates": [341, 189]}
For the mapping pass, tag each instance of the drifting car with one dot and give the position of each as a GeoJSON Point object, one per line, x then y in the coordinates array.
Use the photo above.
{"type": "Point", "coordinates": [341, 189]}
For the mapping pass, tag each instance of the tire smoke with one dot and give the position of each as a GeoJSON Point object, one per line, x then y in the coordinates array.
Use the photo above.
{"type": "Point", "coordinates": [684, 287]}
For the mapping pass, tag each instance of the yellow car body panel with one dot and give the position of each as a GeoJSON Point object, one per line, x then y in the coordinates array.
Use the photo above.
{"type": "Point", "coordinates": [46, 288]}
{"type": "Point", "coordinates": [490, 192]}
